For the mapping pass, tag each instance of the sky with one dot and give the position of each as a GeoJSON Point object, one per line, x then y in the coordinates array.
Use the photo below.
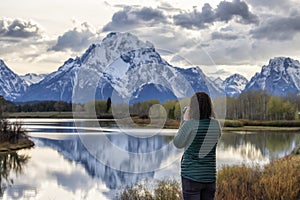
{"type": "Point", "coordinates": [221, 37]}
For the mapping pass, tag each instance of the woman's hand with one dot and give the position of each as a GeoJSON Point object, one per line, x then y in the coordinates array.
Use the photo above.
{"type": "Point", "coordinates": [186, 114]}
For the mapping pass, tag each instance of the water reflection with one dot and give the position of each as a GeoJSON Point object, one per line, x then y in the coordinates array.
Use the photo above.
{"type": "Point", "coordinates": [260, 147]}
{"type": "Point", "coordinates": [63, 167]}
{"type": "Point", "coordinates": [10, 162]}
{"type": "Point", "coordinates": [75, 150]}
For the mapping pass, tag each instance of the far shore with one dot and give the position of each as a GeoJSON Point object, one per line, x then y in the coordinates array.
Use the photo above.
{"type": "Point", "coordinates": [230, 125]}
{"type": "Point", "coordinates": [23, 143]}
{"type": "Point", "coordinates": [262, 128]}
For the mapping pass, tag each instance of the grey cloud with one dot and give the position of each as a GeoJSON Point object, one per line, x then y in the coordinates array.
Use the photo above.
{"type": "Point", "coordinates": [148, 14]}
{"type": "Point", "coordinates": [76, 39]}
{"type": "Point", "coordinates": [278, 28]}
{"type": "Point", "coordinates": [19, 28]}
{"type": "Point", "coordinates": [195, 18]}
{"type": "Point", "coordinates": [225, 11]}
{"type": "Point", "coordinates": [223, 36]}
{"type": "Point", "coordinates": [130, 17]}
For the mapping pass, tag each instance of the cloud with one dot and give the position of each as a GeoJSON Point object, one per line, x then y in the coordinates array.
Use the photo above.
{"type": "Point", "coordinates": [219, 72]}
{"type": "Point", "coordinates": [224, 12]}
{"type": "Point", "coordinates": [278, 28]}
{"type": "Point", "coordinates": [271, 4]}
{"type": "Point", "coordinates": [227, 10]}
{"type": "Point", "coordinates": [195, 18]}
{"type": "Point", "coordinates": [77, 39]}
{"type": "Point", "coordinates": [19, 28]}
{"type": "Point", "coordinates": [130, 17]}
{"type": "Point", "coordinates": [223, 36]}
{"type": "Point", "coordinates": [167, 7]}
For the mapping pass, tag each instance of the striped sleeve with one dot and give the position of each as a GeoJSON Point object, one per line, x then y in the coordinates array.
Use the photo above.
{"type": "Point", "coordinates": [183, 136]}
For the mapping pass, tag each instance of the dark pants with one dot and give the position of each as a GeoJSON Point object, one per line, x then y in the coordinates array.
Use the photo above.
{"type": "Point", "coordinates": [193, 190]}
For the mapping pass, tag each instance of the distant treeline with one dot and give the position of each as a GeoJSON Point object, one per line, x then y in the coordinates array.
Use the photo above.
{"type": "Point", "coordinates": [252, 105]}
{"type": "Point", "coordinates": [258, 105]}
{"type": "Point", "coordinates": [42, 106]}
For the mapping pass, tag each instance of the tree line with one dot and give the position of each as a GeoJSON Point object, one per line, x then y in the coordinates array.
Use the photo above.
{"type": "Point", "coordinates": [42, 106]}
{"type": "Point", "coordinates": [252, 105]}
{"type": "Point", "coordinates": [259, 105]}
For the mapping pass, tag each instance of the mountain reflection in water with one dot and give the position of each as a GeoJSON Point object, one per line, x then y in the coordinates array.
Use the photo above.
{"type": "Point", "coordinates": [61, 167]}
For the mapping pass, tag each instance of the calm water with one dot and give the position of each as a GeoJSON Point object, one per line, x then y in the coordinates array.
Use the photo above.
{"type": "Point", "coordinates": [94, 163]}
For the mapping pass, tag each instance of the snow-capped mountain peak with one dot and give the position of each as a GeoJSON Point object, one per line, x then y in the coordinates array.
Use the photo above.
{"type": "Point", "coordinates": [280, 77]}
{"type": "Point", "coordinates": [123, 64]}
{"type": "Point", "coordinates": [234, 84]}
{"type": "Point", "coordinates": [32, 78]}
{"type": "Point", "coordinates": [218, 81]}
{"type": "Point", "coordinates": [11, 85]}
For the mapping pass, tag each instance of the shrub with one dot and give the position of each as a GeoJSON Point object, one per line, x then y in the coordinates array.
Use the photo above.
{"type": "Point", "coordinates": [238, 182]}
{"type": "Point", "coordinates": [275, 123]}
{"type": "Point", "coordinates": [163, 190]}
{"type": "Point", "coordinates": [136, 193]}
{"type": "Point", "coordinates": [233, 123]}
{"type": "Point", "coordinates": [281, 179]}
{"type": "Point", "coordinates": [10, 132]}
{"type": "Point", "coordinates": [168, 189]}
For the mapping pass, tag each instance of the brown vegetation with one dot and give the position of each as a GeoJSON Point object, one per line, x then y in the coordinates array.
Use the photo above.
{"type": "Point", "coordinates": [12, 136]}
{"type": "Point", "coordinates": [279, 179]}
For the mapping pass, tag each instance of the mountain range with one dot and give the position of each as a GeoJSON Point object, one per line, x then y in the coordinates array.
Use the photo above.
{"type": "Point", "coordinates": [32, 78]}
{"type": "Point", "coordinates": [128, 69]}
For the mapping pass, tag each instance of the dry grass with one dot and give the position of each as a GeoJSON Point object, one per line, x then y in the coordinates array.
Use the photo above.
{"type": "Point", "coordinates": [163, 190]}
{"type": "Point", "coordinates": [237, 182]}
{"type": "Point", "coordinates": [279, 179]}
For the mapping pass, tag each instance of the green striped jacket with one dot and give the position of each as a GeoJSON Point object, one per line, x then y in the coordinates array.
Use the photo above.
{"type": "Point", "coordinates": [199, 138]}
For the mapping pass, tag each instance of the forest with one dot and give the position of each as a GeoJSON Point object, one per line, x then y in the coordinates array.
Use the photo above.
{"type": "Point", "coordinates": [251, 105]}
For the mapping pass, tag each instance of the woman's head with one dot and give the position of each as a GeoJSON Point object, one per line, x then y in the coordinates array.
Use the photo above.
{"type": "Point", "coordinates": [201, 106]}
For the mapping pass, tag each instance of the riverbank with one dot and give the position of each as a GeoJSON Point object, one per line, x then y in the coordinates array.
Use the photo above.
{"type": "Point", "coordinates": [228, 125]}
{"type": "Point", "coordinates": [262, 128]}
{"type": "Point", "coordinates": [22, 143]}
{"type": "Point", "coordinates": [13, 136]}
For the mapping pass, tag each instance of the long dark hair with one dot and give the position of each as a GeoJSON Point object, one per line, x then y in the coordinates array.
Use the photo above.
{"type": "Point", "coordinates": [201, 106]}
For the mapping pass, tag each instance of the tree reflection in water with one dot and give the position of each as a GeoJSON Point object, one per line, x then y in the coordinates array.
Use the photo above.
{"type": "Point", "coordinates": [10, 162]}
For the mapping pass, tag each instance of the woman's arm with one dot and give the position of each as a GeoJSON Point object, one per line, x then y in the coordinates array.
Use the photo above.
{"type": "Point", "coordinates": [182, 138]}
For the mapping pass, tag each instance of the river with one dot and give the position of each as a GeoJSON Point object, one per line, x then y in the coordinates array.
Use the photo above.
{"type": "Point", "coordinates": [78, 160]}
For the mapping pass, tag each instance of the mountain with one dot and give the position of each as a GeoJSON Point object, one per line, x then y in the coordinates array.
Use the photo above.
{"type": "Point", "coordinates": [280, 77]}
{"type": "Point", "coordinates": [122, 67]}
{"type": "Point", "coordinates": [218, 81]}
{"type": "Point", "coordinates": [11, 85]}
{"type": "Point", "coordinates": [234, 85]}
{"type": "Point", "coordinates": [32, 78]}
{"type": "Point", "coordinates": [56, 85]}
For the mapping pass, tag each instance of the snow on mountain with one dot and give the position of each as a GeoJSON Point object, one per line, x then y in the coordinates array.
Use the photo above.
{"type": "Point", "coordinates": [218, 81]}
{"type": "Point", "coordinates": [234, 85]}
{"type": "Point", "coordinates": [32, 78]}
{"type": "Point", "coordinates": [11, 85]}
{"type": "Point", "coordinates": [120, 66]}
{"type": "Point", "coordinates": [55, 86]}
{"type": "Point", "coordinates": [280, 77]}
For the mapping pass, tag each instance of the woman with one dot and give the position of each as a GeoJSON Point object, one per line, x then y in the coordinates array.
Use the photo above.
{"type": "Point", "coordinates": [198, 134]}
